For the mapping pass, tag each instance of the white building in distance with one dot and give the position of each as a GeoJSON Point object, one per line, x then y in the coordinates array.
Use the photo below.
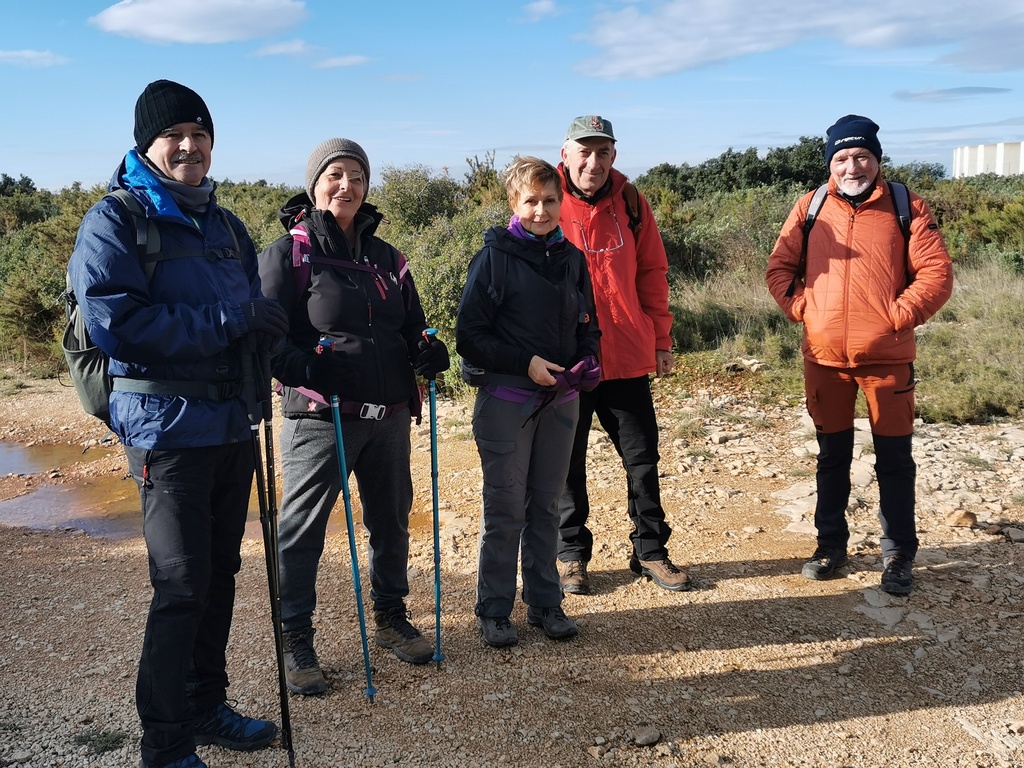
{"type": "Point", "coordinates": [1002, 159]}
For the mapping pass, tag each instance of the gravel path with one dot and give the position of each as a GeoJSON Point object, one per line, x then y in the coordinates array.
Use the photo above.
{"type": "Point", "coordinates": [757, 667]}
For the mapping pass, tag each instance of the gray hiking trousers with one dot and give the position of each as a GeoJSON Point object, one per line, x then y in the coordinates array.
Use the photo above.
{"type": "Point", "coordinates": [524, 462]}
{"type": "Point", "coordinates": [377, 452]}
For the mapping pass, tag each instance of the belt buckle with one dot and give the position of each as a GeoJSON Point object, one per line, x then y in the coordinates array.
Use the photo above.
{"type": "Point", "coordinates": [372, 411]}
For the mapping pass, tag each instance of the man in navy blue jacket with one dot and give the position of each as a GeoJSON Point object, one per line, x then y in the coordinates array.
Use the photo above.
{"type": "Point", "coordinates": [175, 334]}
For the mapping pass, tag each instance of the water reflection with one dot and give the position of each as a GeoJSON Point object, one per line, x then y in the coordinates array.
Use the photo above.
{"type": "Point", "coordinates": [21, 460]}
{"type": "Point", "coordinates": [108, 506]}
{"type": "Point", "coordinates": [100, 509]}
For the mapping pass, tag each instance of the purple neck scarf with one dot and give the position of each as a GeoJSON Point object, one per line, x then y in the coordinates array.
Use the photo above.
{"type": "Point", "coordinates": [515, 226]}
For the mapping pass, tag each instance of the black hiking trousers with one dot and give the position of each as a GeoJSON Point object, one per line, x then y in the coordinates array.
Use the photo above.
{"type": "Point", "coordinates": [194, 506]}
{"type": "Point", "coordinates": [625, 409]}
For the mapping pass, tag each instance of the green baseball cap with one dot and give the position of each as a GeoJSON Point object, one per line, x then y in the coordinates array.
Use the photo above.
{"type": "Point", "coordinates": [587, 126]}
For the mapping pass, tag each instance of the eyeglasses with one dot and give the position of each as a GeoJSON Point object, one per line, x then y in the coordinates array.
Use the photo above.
{"type": "Point", "coordinates": [352, 176]}
{"type": "Point", "coordinates": [612, 241]}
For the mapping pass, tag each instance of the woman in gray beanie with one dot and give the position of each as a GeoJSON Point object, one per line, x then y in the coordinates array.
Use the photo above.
{"type": "Point", "coordinates": [337, 279]}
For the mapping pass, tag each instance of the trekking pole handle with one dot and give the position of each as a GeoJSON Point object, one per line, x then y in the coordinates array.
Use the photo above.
{"type": "Point", "coordinates": [429, 334]}
{"type": "Point", "coordinates": [324, 345]}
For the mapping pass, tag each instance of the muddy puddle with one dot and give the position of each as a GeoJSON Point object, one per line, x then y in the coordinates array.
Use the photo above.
{"type": "Point", "coordinates": [103, 506]}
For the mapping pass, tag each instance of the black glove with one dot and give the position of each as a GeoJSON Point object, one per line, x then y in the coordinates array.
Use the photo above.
{"type": "Point", "coordinates": [266, 316]}
{"type": "Point", "coordinates": [433, 358]}
{"type": "Point", "coordinates": [329, 374]}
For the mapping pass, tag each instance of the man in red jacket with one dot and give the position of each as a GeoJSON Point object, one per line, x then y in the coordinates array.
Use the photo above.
{"type": "Point", "coordinates": [860, 288]}
{"type": "Point", "coordinates": [604, 216]}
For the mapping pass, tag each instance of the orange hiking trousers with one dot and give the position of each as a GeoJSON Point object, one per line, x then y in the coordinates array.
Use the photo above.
{"type": "Point", "coordinates": [888, 390]}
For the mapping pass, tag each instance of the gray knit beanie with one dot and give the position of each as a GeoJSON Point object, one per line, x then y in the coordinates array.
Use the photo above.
{"type": "Point", "coordinates": [328, 151]}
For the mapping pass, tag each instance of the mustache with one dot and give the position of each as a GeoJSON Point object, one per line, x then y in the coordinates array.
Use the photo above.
{"type": "Point", "coordinates": [188, 157]}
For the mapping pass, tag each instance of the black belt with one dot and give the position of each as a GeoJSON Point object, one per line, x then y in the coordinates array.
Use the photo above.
{"type": "Point", "coordinates": [204, 390]}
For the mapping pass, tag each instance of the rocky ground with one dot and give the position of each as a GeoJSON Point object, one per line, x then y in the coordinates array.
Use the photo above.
{"type": "Point", "coordinates": [756, 667]}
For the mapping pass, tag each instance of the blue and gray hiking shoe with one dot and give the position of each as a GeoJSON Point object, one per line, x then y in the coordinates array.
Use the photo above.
{"type": "Point", "coordinates": [192, 761]}
{"type": "Point", "coordinates": [223, 726]}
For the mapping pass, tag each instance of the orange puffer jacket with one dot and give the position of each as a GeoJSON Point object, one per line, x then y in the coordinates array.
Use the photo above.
{"type": "Point", "coordinates": [854, 300]}
{"type": "Point", "coordinates": [630, 278]}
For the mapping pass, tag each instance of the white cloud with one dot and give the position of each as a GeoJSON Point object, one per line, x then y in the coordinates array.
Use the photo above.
{"type": "Point", "coordinates": [541, 9]}
{"type": "Point", "coordinates": [291, 48]}
{"type": "Point", "coordinates": [645, 41]}
{"type": "Point", "coordinates": [950, 94]}
{"type": "Point", "coordinates": [352, 60]}
{"type": "Point", "coordinates": [32, 58]}
{"type": "Point", "coordinates": [199, 21]}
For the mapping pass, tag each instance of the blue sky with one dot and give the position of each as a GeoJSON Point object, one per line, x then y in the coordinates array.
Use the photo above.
{"type": "Point", "coordinates": [436, 83]}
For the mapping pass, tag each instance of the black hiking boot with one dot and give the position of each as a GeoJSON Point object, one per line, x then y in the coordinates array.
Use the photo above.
{"type": "Point", "coordinates": [897, 578]}
{"type": "Point", "coordinates": [823, 564]}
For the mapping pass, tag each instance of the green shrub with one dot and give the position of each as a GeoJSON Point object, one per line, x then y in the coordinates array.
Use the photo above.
{"type": "Point", "coordinates": [439, 257]}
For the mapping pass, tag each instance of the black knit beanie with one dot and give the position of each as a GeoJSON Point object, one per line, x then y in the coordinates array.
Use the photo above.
{"type": "Point", "coordinates": [165, 103]}
{"type": "Point", "coordinates": [328, 151]}
{"type": "Point", "coordinates": [852, 131]}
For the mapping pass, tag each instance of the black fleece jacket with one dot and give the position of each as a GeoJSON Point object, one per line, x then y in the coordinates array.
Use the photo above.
{"type": "Point", "coordinates": [376, 320]}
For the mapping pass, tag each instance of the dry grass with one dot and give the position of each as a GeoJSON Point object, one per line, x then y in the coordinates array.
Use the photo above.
{"type": "Point", "coordinates": [970, 355]}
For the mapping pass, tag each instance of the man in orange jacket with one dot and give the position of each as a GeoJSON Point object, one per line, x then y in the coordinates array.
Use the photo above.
{"type": "Point", "coordinates": [860, 288]}
{"type": "Point", "coordinates": [628, 269]}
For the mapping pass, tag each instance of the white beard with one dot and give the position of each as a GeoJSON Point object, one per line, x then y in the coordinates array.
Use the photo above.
{"type": "Point", "coordinates": [854, 187]}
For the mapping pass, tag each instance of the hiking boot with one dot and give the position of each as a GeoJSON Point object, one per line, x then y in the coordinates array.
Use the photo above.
{"type": "Point", "coordinates": [573, 576]}
{"type": "Point", "coordinates": [301, 666]}
{"type": "Point", "coordinates": [222, 725]}
{"type": "Point", "coordinates": [192, 761]}
{"type": "Point", "coordinates": [553, 621]}
{"type": "Point", "coordinates": [897, 578]}
{"type": "Point", "coordinates": [662, 572]}
{"type": "Point", "coordinates": [823, 564]}
{"type": "Point", "coordinates": [498, 631]}
{"type": "Point", "coordinates": [395, 632]}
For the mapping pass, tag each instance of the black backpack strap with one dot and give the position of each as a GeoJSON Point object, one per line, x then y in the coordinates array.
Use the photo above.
{"type": "Point", "coordinates": [813, 209]}
{"type": "Point", "coordinates": [499, 270]}
{"type": "Point", "coordinates": [901, 204]}
{"type": "Point", "coordinates": [231, 229]}
{"type": "Point", "coordinates": [147, 234]}
{"type": "Point", "coordinates": [632, 197]}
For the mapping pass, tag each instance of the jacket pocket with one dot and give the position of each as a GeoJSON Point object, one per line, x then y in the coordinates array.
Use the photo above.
{"type": "Point", "coordinates": [901, 319]}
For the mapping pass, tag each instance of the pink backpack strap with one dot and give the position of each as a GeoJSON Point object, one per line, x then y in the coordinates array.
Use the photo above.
{"type": "Point", "coordinates": [402, 266]}
{"type": "Point", "coordinates": [301, 249]}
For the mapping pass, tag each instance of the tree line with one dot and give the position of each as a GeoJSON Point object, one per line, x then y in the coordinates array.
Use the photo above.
{"type": "Point", "coordinates": [717, 217]}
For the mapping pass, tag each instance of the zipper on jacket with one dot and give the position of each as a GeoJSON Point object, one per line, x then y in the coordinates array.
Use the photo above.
{"type": "Point", "coordinates": [846, 285]}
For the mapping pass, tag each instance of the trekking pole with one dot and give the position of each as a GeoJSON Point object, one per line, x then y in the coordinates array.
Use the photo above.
{"type": "Point", "coordinates": [429, 334]}
{"type": "Point", "coordinates": [254, 395]}
{"type": "Point", "coordinates": [328, 344]}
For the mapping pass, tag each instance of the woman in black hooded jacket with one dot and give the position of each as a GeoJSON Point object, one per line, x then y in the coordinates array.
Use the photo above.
{"type": "Point", "coordinates": [339, 281]}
